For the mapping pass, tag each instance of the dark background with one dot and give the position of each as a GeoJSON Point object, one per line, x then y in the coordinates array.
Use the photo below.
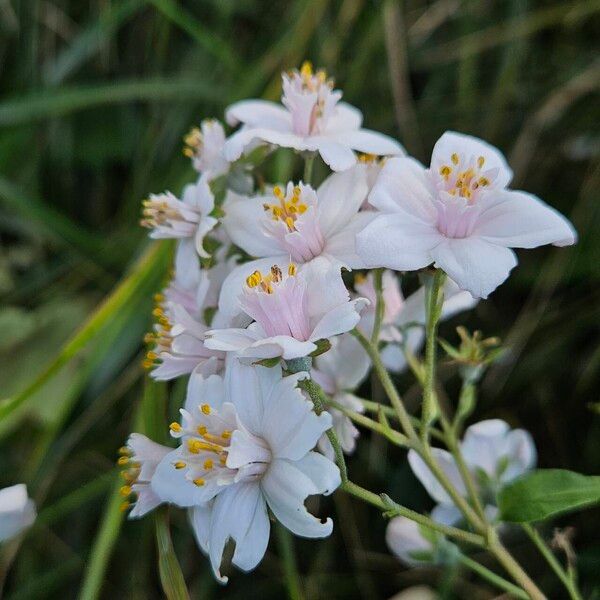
{"type": "Point", "coordinates": [95, 98]}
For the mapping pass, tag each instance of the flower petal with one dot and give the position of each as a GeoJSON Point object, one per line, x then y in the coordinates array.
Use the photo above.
{"type": "Point", "coordinates": [336, 155]}
{"type": "Point", "coordinates": [371, 142]}
{"type": "Point", "coordinates": [520, 220]}
{"type": "Point", "coordinates": [200, 520]}
{"type": "Point", "coordinates": [427, 478]}
{"type": "Point", "coordinates": [341, 319]}
{"type": "Point", "coordinates": [475, 265]}
{"type": "Point", "coordinates": [259, 113]}
{"type": "Point", "coordinates": [404, 538]}
{"type": "Point", "coordinates": [341, 246]}
{"type": "Point", "coordinates": [345, 117]}
{"type": "Point", "coordinates": [236, 144]}
{"type": "Point", "coordinates": [397, 241]}
{"type": "Point", "coordinates": [522, 453]}
{"type": "Point", "coordinates": [286, 487]}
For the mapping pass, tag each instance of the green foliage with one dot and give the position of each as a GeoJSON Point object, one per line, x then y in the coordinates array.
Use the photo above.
{"type": "Point", "coordinates": [546, 493]}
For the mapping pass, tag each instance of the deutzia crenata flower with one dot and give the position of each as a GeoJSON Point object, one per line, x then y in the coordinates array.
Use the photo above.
{"type": "Point", "coordinates": [339, 371]}
{"type": "Point", "coordinates": [403, 324]}
{"type": "Point", "coordinates": [17, 511]}
{"type": "Point", "coordinates": [139, 459]}
{"type": "Point", "coordinates": [247, 444]}
{"type": "Point", "coordinates": [311, 119]}
{"type": "Point", "coordinates": [291, 311]}
{"type": "Point", "coordinates": [410, 542]}
{"type": "Point", "coordinates": [457, 214]}
{"type": "Point", "coordinates": [187, 219]}
{"type": "Point", "coordinates": [204, 146]}
{"type": "Point", "coordinates": [494, 454]}
{"type": "Point", "coordinates": [298, 223]}
{"type": "Point", "coordinates": [181, 312]}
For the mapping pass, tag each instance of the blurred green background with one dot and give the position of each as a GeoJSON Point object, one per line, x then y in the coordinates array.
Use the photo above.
{"type": "Point", "coordinates": [95, 99]}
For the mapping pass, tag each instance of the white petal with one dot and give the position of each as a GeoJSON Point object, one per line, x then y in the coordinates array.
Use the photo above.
{"type": "Point", "coordinates": [470, 147]}
{"type": "Point", "coordinates": [206, 225]}
{"type": "Point", "coordinates": [447, 514]}
{"type": "Point", "coordinates": [286, 487]}
{"type": "Point", "coordinates": [289, 423]}
{"type": "Point", "coordinates": [171, 485]}
{"type": "Point", "coordinates": [521, 220]}
{"type": "Point", "coordinates": [147, 453]}
{"type": "Point", "coordinates": [146, 500]}
{"type": "Point", "coordinates": [340, 197]}
{"type": "Point", "coordinates": [236, 144]}
{"type": "Point", "coordinates": [233, 285]}
{"type": "Point", "coordinates": [404, 186]}
{"type": "Point", "coordinates": [259, 113]}
{"type": "Point", "coordinates": [404, 538]}
{"type": "Point", "coordinates": [204, 390]}
{"type": "Point", "coordinates": [239, 513]}
{"type": "Point", "coordinates": [341, 246]}
{"type": "Point", "coordinates": [393, 358]}
{"type": "Point", "coordinates": [371, 142]}
{"type": "Point", "coordinates": [242, 220]}
{"type": "Point", "coordinates": [341, 319]}
{"type": "Point", "coordinates": [200, 520]}
{"type": "Point", "coordinates": [397, 241]}
{"type": "Point", "coordinates": [336, 155]}
{"type": "Point", "coordinates": [484, 444]}
{"type": "Point", "coordinates": [233, 339]}
{"type": "Point", "coordinates": [475, 265]}
{"type": "Point", "coordinates": [346, 362]}
{"type": "Point", "coordinates": [187, 265]}
{"type": "Point", "coordinates": [326, 288]}
{"type": "Point", "coordinates": [17, 511]}
{"type": "Point", "coordinates": [322, 471]}
{"type": "Point", "coordinates": [279, 345]}
{"type": "Point", "coordinates": [426, 477]}
{"type": "Point", "coordinates": [346, 117]}
{"type": "Point", "coordinates": [522, 453]}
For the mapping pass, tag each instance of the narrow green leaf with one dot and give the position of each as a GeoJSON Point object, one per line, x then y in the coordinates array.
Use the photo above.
{"type": "Point", "coordinates": [546, 493]}
{"type": "Point", "coordinates": [171, 577]}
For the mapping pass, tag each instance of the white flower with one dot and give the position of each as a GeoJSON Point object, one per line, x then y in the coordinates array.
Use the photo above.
{"type": "Point", "coordinates": [204, 146]}
{"type": "Point", "coordinates": [312, 119]}
{"type": "Point", "coordinates": [187, 219]}
{"type": "Point", "coordinates": [407, 541]}
{"type": "Point", "coordinates": [179, 333]}
{"type": "Point", "coordinates": [246, 443]}
{"type": "Point", "coordinates": [300, 224]}
{"type": "Point", "coordinates": [339, 371]}
{"type": "Point", "coordinates": [140, 458]}
{"type": "Point", "coordinates": [457, 214]}
{"type": "Point", "coordinates": [403, 323]}
{"type": "Point", "coordinates": [494, 454]}
{"type": "Point", "coordinates": [17, 511]}
{"type": "Point", "coordinates": [291, 311]}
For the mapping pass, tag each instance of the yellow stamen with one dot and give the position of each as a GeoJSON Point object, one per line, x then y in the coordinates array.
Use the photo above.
{"type": "Point", "coordinates": [125, 490]}
{"type": "Point", "coordinates": [292, 269]}
{"type": "Point", "coordinates": [175, 427]}
{"type": "Point", "coordinates": [445, 171]}
{"type": "Point", "coordinates": [226, 434]}
{"type": "Point", "coordinates": [201, 430]}
{"type": "Point", "coordinates": [124, 506]}
{"type": "Point", "coordinates": [454, 158]}
{"type": "Point", "coordinates": [123, 460]}
{"type": "Point", "coordinates": [480, 161]}
{"type": "Point", "coordinates": [208, 464]}
{"type": "Point", "coordinates": [199, 482]}
{"type": "Point", "coordinates": [205, 408]}
{"type": "Point", "coordinates": [179, 464]}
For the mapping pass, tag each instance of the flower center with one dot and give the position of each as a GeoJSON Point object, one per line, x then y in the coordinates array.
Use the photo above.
{"type": "Point", "coordinates": [288, 208]}
{"type": "Point", "coordinates": [278, 302]}
{"type": "Point", "coordinates": [167, 213]}
{"type": "Point", "coordinates": [310, 98]}
{"type": "Point", "coordinates": [193, 143]}
{"type": "Point", "coordinates": [464, 177]}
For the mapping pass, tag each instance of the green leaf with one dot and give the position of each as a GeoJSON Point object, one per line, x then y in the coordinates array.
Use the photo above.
{"type": "Point", "coordinates": [546, 493]}
{"type": "Point", "coordinates": [268, 362]}
{"type": "Point", "coordinates": [171, 577]}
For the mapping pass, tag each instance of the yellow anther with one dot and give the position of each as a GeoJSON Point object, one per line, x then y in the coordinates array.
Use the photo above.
{"type": "Point", "coordinates": [126, 476]}
{"type": "Point", "coordinates": [254, 279]}
{"type": "Point", "coordinates": [151, 355]}
{"type": "Point", "coordinates": [291, 208]}
{"type": "Point", "coordinates": [199, 482]}
{"type": "Point", "coordinates": [454, 158]}
{"type": "Point", "coordinates": [208, 464]}
{"type": "Point", "coordinates": [480, 161]}
{"type": "Point", "coordinates": [223, 459]}
{"type": "Point", "coordinates": [175, 427]}
{"type": "Point", "coordinates": [445, 171]}
{"type": "Point", "coordinates": [360, 278]}
{"type": "Point", "coordinates": [277, 192]}
{"type": "Point", "coordinates": [124, 506]}
{"type": "Point", "coordinates": [297, 190]}
{"type": "Point", "coordinates": [158, 312]}
{"type": "Point", "coordinates": [276, 274]}
{"type": "Point", "coordinates": [306, 70]}
{"type": "Point", "coordinates": [179, 464]}
{"type": "Point", "coordinates": [147, 364]}
{"type": "Point", "coordinates": [292, 269]}
{"type": "Point", "coordinates": [125, 490]}
{"type": "Point", "coordinates": [289, 222]}
{"type": "Point", "coordinates": [302, 208]}
{"type": "Point", "coordinates": [158, 298]}
{"type": "Point", "coordinates": [201, 430]}
{"type": "Point", "coordinates": [149, 338]}
{"type": "Point", "coordinates": [205, 408]}
{"type": "Point", "coordinates": [123, 460]}
{"type": "Point", "coordinates": [483, 181]}
{"type": "Point", "coordinates": [226, 434]}
{"type": "Point", "coordinates": [124, 450]}
{"type": "Point", "coordinates": [194, 446]}
{"type": "Point", "coordinates": [277, 211]}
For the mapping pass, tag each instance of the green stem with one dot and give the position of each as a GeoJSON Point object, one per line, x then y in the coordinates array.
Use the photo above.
{"type": "Point", "coordinates": [392, 509]}
{"type": "Point", "coordinates": [171, 577]}
{"type": "Point", "coordinates": [568, 582]}
{"type": "Point", "coordinates": [490, 576]}
{"type": "Point", "coordinates": [309, 161]}
{"type": "Point", "coordinates": [379, 305]}
{"type": "Point", "coordinates": [317, 395]}
{"type": "Point", "coordinates": [434, 301]}
{"type": "Point", "coordinates": [290, 566]}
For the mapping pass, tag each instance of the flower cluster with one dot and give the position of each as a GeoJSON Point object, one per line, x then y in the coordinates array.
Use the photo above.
{"type": "Point", "coordinates": [264, 319]}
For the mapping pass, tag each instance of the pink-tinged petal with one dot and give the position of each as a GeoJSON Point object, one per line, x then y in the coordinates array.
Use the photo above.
{"type": "Point", "coordinates": [521, 220]}
{"type": "Point", "coordinates": [290, 425]}
{"type": "Point", "coordinates": [238, 142]}
{"type": "Point", "coordinates": [341, 319]}
{"type": "Point", "coordinates": [429, 481]}
{"type": "Point", "coordinates": [147, 453]}
{"type": "Point", "coordinates": [187, 265]}
{"type": "Point", "coordinates": [475, 265]}
{"type": "Point", "coordinates": [200, 521]}
{"type": "Point", "coordinates": [326, 288]}
{"type": "Point", "coordinates": [404, 539]}
{"type": "Point", "coordinates": [468, 147]}
{"type": "Point", "coordinates": [370, 142]}
{"type": "Point", "coordinates": [397, 241]}
{"type": "Point", "coordinates": [249, 529]}
{"type": "Point", "coordinates": [340, 198]}
{"type": "Point", "coordinates": [404, 186]}
{"type": "Point", "coordinates": [341, 246]}
{"type": "Point", "coordinates": [286, 487]}
{"type": "Point", "coordinates": [336, 155]}
{"type": "Point", "coordinates": [259, 113]}
{"type": "Point", "coordinates": [345, 118]}
{"type": "Point", "coordinates": [170, 484]}
{"type": "Point", "coordinates": [231, 290]}
{"type": "Point", "coordinates": [279, 345]}
{"type": "Point", "coordinates": [242, 220]}
{"type": "Point", "coordinates": [231, 340]}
